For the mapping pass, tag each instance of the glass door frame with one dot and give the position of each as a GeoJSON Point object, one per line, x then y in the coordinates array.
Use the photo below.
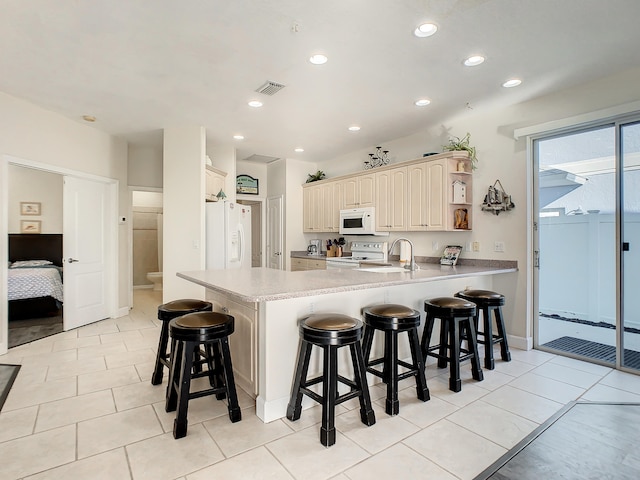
{"type": "Point", "coordinates": [618, 122]}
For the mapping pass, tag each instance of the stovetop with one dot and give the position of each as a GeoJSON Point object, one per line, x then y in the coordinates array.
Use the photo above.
{"type": "Point", "coordinates": [365, 251]}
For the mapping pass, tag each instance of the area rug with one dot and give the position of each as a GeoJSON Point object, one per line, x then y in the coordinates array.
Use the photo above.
{"type": "Point", "coordinates": [594, 350]}
{"type": "Point", "coordinates": [8, 374]}
{"type": "Point", "coordinates": [584, 440]}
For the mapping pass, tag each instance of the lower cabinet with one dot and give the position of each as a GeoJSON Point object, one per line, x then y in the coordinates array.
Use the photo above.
{"type": "Point", "coordinates": [244, 340]}
{"type": "Point", "coordinates": [299, 264]}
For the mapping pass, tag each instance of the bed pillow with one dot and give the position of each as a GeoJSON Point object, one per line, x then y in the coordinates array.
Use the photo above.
{"type": "Point", "coordinates": [30, 263]}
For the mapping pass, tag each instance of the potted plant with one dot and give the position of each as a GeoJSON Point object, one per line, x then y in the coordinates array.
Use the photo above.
{"type": "Point", "coordinates": [319, 175]}
{"type": "Point", "coordinates": [457, 144]}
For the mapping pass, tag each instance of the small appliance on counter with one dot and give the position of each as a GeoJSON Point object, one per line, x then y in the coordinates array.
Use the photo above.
{"type": "Point", "coordinates": [315, 247]}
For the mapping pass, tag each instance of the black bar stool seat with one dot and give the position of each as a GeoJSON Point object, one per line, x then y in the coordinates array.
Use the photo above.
{"type": "Point", "coordinates": [489, 302]}
{"type": "Point", "coordinates": [393, 319]}
{"type": "Point", "coordinates": [456, 317]}
{"type": "Point", "coordinates": [210, 330]}
{"type": "Point", "coordinates": [330, 331]}
{"type": "Point", "coordinates": [166, 313]}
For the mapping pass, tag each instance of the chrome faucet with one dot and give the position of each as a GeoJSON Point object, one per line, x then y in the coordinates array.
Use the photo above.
{"type": "Point", "coordinates": [412, 265]}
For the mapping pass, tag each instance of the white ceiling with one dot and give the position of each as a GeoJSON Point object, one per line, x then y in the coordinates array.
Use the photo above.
{"type": "Point", "coordinates": [139, 66]}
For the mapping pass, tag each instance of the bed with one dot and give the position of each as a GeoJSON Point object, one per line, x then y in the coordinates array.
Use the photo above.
{"type": "Point", "coordinates": [34, 286]}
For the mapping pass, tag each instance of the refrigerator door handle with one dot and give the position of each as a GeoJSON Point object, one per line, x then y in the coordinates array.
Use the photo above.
{"type": "Point", "coordinates": [241, 243]}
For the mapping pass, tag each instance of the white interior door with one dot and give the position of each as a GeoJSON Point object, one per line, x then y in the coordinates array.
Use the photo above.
{"type": "Point", "coordinates": [274, 233]}
{"type": "Point", "coordinates": [85, 226]}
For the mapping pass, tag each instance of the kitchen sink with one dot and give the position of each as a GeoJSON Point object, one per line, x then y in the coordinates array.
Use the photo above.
{"type": "Point", "coordinates": [383, 269]}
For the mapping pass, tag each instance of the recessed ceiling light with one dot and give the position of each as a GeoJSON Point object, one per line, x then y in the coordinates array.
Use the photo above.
{"type": "Point", "coordinates": [89, 118]}
{"type": "Point", "coordinates": [423, 102]}
{"type": "Point", "coordinates": [299, 150]}
{"type": "Point", "coordinates": [318, 59]}
{"type": "Point", "coordinates": [354, 128]}
{"type": "Point", "coordinates": [255, 103]}
{"type": "Point", "coordinates": [239, 137]}
{"type": "Point", "coordinates": [474, 60]}
{"type": "Point", "coordinates": [425, 30]}
{"type": "Point", "coordinates": [514, 82]}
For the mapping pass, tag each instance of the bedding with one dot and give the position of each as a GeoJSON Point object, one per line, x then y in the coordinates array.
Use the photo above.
{"type": "Point", "coordinates": [33, 282]}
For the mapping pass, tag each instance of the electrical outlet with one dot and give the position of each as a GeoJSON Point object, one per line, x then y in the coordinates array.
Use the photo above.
{"type": "Point", "coordinates": [468, 247]}
{"type": "Point", "coordinates": [435, 246]}
{"type": "Point", "coordinates": [498, 247]}
{"type": "Point", "coordinates": [476, 246]}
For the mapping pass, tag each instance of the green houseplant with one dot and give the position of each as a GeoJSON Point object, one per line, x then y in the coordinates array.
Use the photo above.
{"type": "Point", "coordinates": [457, 144]}
{"type": "Point", "coordinates": [319, 175]}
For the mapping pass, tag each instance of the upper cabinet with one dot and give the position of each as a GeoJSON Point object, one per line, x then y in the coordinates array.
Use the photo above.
{"type": "Point", "coordinates": [427, 194]}
{"type": "Point", "coordinates": [358, 191]}
{"type": "Point", "coordinates": [391, 200]}
{"type": "Point", "coordinates": [214, 183]}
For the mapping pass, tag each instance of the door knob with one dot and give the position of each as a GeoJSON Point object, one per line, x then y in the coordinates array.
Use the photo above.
{"type": "Point", "coordinates": [72, 260]}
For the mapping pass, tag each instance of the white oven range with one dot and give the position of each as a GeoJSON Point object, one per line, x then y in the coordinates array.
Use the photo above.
{"type": "Point", "coordinates": [360, 251]}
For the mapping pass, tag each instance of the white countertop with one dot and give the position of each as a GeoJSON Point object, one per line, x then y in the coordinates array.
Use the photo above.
{"type": "Point", "coordinates": [264, 284]}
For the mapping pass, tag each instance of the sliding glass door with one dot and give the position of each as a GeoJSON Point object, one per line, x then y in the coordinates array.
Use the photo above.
{"type": "Point", "coordinates": [587, 243]}
{"type": "Point", "coordinates": [630, 247]}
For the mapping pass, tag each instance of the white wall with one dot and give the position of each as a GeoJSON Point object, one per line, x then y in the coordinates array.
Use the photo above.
{"type": "Point", "coordinates": [34, 134]}
{"type": "Point", "coordinates": [296, 175]}
{"type": "Point", "coordinates": [31, 185]}
{"type": "Point", "coordinates": [144, 168]}
{"type": "Point", "coordinates": [183, 208]}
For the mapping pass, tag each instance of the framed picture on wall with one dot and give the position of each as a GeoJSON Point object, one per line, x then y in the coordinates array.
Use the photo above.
{"type": "Point", "coordinates": [246, 184]}
{"type": "Point", "coordinates": [30, 226]}
{"type": "Point", "coordinates": [29, 208]}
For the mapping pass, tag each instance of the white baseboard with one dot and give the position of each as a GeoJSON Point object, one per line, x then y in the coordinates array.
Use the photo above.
{"type": "Point", "coordinates": [521, 343]}
{"type": "Point", "coordinates": [122, 312]}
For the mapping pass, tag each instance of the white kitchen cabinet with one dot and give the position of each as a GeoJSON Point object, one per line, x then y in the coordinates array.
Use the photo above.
{"type": "Point", "coordinates": [214, 183]}
{"type": "Point", "coordinates": [243, 342]}
{"type": "Point", "coordinates": [358, 191]}
{"type": "Point", "coordinates": [391, 200]}
{"type": "Point", "coordinates": [312, 203]}
{"type": "Point", "coordinates": [436, 207]}
{"type": "Point", "coordinates": [300, 264]}
{"type": "Point", "coordinates": [418, 197]}
{"type": "Point", "coordinates": [330, 207]}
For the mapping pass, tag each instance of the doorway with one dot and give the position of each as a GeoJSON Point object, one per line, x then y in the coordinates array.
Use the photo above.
{"type": "Point", "coordinates": [105, 295]}
{"type": "Point", "coordinates": [586, 211]}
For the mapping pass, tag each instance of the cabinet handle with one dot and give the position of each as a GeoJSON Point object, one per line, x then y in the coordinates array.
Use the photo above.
{"type": "Point", "coordinates": [225, 310]}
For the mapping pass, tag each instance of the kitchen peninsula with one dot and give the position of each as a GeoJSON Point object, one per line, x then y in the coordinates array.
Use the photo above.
{"type": "Point", "coordinates": [267, 304]}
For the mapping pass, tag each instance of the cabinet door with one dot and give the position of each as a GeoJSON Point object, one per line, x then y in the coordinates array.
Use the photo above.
{"type": "Point", "coordinates": [436, 193]}
{"type": "Point", "coordinates": [312, 209]}
{"type": "Point", "coordinates": [391, 199]}
{"type": "Point", "coordinates": [330, 214]}
{"type": "Point", "coordinates": [350, 193]}
{"type": "Point", "coordinates": [383, 196]}
{"type": "Point", "coordinates": [366, 190]}
{"type": "Point", "coordinates": [244, 345]}
{"type": "Point", "coordinates": [418, 198]}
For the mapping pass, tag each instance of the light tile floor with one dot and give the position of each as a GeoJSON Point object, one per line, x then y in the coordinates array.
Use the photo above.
{"type": "Point", "coordinates": [83, 407]}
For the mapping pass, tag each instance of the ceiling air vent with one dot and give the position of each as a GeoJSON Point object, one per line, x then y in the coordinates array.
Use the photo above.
{"type": "Point", "coordinates": [270, 88]}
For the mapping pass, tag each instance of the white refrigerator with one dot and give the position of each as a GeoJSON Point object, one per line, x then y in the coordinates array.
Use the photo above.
{"type": "Point", "coordinates": [228, 235]}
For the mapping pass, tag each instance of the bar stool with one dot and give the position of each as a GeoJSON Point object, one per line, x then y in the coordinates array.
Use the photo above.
{"type": "Point", "coordinates": [210, 330]}
{"type": "Point", "coordinates": [166, 313]}
{"type": "Point", "coordinates": [330, 331]}
{"type": "Point", "coordinates": [487, 302]}
{"type": "Point", "coordinates": [393, 319]}
{"type": "Point", "coordinates": [456, 315]}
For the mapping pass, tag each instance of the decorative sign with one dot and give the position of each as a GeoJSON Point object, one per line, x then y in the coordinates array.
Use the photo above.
{"type": "Point", "coordinates": [246, 184]}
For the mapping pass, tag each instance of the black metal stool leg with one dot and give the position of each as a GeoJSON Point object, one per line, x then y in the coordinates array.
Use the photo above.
{"type": "Point", "coordinates": [174, 376]}
{"type": "Point", "coordinates": [360, 373]}
{"type": "Point", "coordinates": [329, 393]}
{"type": "Point", "coordinates": [455, 384]}
{"type": "Point", "coordinates": [235, 415]}
{"type": "Point", "coordinates": [476, 369]}
{"type": "Point", "coordinates": [392, 405]}
{"type": "Point", "coordinates": [487, 335]}
{"type": "Point", "coordinates": [445, 329]}
{"type": "Point", "coordinates": [426, 336]}
{"type": "Point", "coordinates": [416, 358]}
{"type": "Point", "coordinates": [504, 346]}
{"type": "Point", "coordinates": [180, 423]}
{"type": "Point", "coordinates": [294, 409]}
{"type": "Point", "coordinates": [161, 355]}
{"type": "Point", "coordinates": [367, 342]}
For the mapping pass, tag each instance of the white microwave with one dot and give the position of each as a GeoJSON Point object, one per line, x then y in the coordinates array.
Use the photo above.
{"type": "Point", "coordinates": [359, 221]}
